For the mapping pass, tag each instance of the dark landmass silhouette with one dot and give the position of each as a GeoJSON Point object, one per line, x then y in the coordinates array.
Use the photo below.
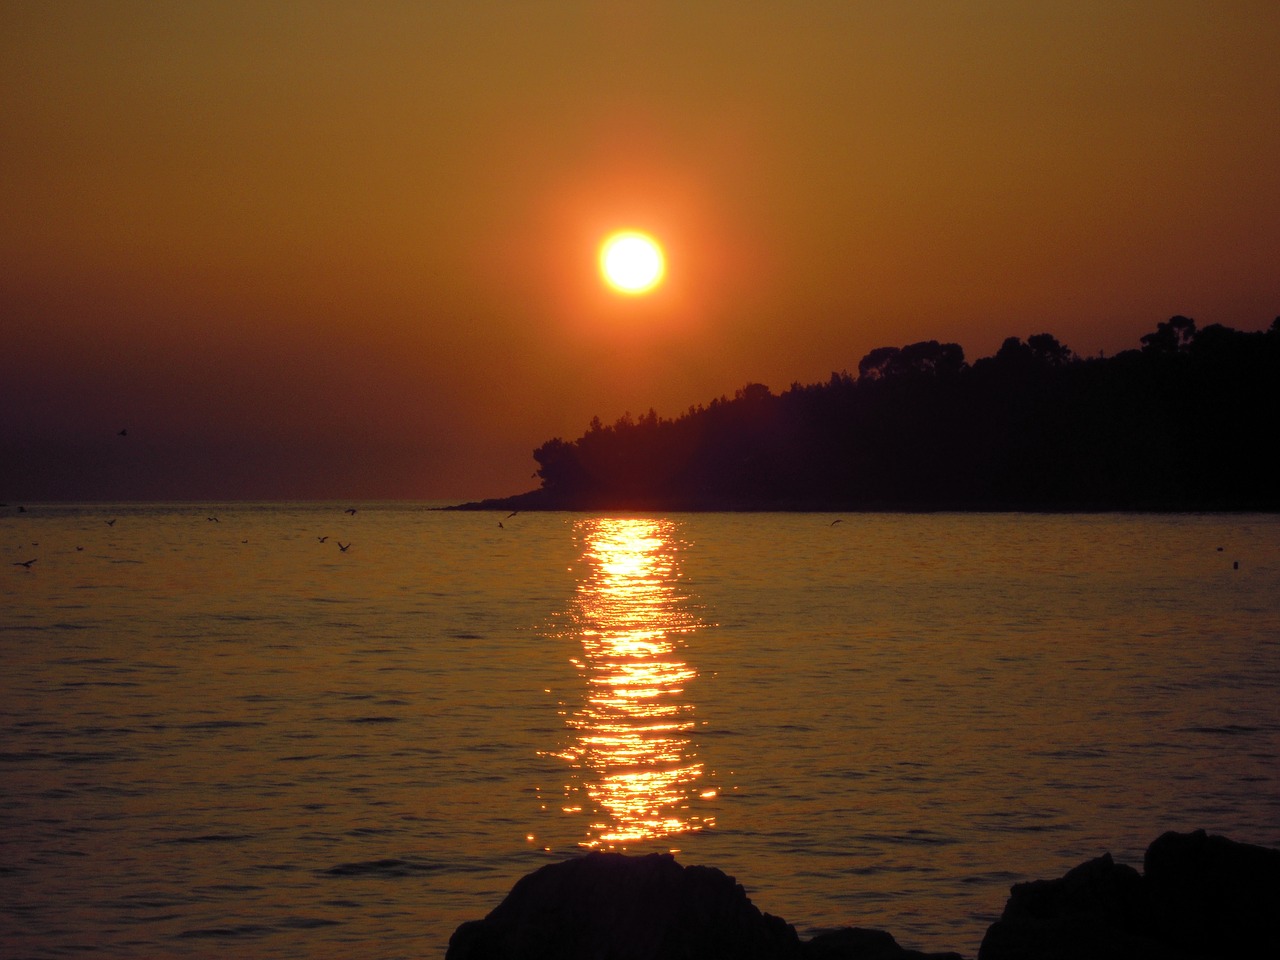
{"type": "Point", "coordinates": [1183, 423]}
{"type": "Point", "coordinates": [1199, 897]}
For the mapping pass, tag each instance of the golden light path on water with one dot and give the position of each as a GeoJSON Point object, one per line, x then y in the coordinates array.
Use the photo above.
{"type": "Point", "coordinates": [631, 749]}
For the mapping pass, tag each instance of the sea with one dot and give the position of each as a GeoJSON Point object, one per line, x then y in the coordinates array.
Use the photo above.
{"type": "Point", "coordinates": [333, 730]}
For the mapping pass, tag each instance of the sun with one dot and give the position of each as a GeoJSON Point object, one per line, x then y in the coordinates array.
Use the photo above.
{"type": "Point", "coordinates": [632, 262]}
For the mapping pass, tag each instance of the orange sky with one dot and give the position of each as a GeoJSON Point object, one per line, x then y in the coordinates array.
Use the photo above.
{"type": "Point", "coordinates": [348, 250]}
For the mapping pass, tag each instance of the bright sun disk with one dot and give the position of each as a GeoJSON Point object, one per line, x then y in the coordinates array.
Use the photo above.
{"type": "Point", "coordinates": [631, 262]}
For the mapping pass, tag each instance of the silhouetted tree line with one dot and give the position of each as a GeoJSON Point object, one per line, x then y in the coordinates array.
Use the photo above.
{"type": "Point", "coordinates": [1186, 422]}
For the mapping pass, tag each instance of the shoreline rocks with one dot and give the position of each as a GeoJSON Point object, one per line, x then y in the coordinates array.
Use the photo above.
{"type": "Point", "coordinates": [1200, 897]}
{"type": "Point", "coordinates": [629, 908]}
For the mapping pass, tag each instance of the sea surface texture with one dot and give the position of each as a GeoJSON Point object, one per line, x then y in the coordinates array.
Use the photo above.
{"type": "Point", "coordinates": [222, 734]}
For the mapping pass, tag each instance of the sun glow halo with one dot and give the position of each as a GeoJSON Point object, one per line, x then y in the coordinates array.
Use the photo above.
{"type": "Point", "coordinates": [632, 262]}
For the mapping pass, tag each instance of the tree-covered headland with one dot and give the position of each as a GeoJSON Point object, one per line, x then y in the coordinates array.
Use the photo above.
{"type": "Point", "coordinates": [1188, 421]}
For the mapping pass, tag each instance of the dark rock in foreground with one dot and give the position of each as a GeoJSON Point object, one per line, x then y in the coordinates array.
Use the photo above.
{"type": "Point", "coordinates": [1099, 909]}
{"type": "Point", "coordinates": [855, 943]}
{"type": "Point", "coordinates": [1201, 898]}
{"type": "Point", "coordinates": [610, 905]}
{"type": "Point", "coordinates": [607, 906]}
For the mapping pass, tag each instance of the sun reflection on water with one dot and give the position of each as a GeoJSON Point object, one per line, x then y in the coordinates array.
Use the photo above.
{"type": "Point", "coordinates": [632, 752]}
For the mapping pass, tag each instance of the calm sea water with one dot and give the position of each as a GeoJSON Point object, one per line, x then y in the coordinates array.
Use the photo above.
{"type": "Point", "coordinates": [229, 737]}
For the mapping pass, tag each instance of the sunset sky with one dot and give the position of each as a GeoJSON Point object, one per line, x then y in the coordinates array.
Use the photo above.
{"type": "Point", "coordinates": [348, 250]}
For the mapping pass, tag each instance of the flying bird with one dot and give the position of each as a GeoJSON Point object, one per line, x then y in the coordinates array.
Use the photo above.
{"type": "Point", "coordinates": [350, 510]}
{"type": "Point", "coordinates": [322, 539]}
{"type": "Point", "coordinates": [512, 514]}
{"type": "Point", "coordinates": [25, 563]}
{"type": "Point", "coordinates": [111, 522]}
{"type": "Point", "coordinates": [834, 522]}
{"type": "Point", "coordinates": [343, 546]}
{"type": "Point", "coordinates": [213, 519]}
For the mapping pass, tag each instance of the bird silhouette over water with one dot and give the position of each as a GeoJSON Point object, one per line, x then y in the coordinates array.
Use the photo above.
{"type": "Point", "coordinates": [25, 563]}
{"type": "Point", "coordinates": [350, 510]}
{"type": "Point", "coordinates": [111, 522]}
{"type": "Point", "coordinates": [834, 522]}
{"type": "Point", "coordinates": [213, 519]}
{"type": "Point", "coordinates": [322, 539]}
{"type": "Point", "coordinates": [512, 514]}
{"type": "Point", "coordinates": [343, 546]}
